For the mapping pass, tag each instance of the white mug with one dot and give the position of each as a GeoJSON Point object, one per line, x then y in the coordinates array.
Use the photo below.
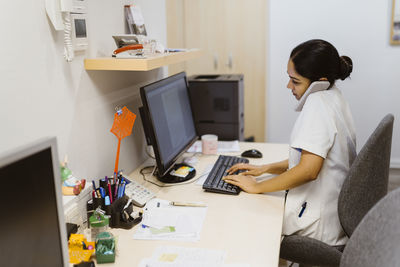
{"type": "Point", "coordinates": [209, 144]}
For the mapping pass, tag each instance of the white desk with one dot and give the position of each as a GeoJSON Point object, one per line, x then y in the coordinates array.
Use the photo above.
{"type": "Point", "coordinates": [247, 226]}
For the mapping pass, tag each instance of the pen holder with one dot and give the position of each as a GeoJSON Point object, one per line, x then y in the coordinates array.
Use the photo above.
{"type": "Point", "coordinates": [96, 202]}
{"type": "Point", "coordinates": [120, 217]}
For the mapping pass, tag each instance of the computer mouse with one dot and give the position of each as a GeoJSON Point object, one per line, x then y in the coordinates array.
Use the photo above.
{"type": "Point", "coordinates": [252, 153]}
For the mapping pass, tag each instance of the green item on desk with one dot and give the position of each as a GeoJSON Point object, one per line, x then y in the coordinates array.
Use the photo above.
{"type": "Point", "coordinates": [98, 220]}
{"type": "Point", "coordinates": [98, 223]}
{"type": "Point", "coordinates": [105, 247]}
{"type": "Point", "coordinates": [164, 230]}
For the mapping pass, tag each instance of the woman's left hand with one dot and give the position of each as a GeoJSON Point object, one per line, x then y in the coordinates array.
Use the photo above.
{"type": "Point", "coordinates": [247, 183]}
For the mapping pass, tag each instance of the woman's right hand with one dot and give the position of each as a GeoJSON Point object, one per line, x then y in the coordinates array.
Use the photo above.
{"type": "Point", "coordinates": [248, 168]}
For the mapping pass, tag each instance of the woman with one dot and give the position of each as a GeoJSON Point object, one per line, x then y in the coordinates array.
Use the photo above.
{"type": "Point", "coordinates": [322, 146]}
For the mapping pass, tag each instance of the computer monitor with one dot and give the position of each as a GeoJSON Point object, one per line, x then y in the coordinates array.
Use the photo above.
{"type": "Point", "coordinates": [32, 231]}
{"type": "Point", "coordinates": [168, 122]}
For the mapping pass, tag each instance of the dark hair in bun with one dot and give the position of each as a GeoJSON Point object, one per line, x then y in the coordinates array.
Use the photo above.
{"type": "Point", "coordinates": [316, 59]}
{"type": "Point", "coordinates": [346, 67]}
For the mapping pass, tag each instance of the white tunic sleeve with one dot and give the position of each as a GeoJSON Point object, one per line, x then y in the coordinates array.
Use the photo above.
{"type": "Point", "coordinates": [314, 130]}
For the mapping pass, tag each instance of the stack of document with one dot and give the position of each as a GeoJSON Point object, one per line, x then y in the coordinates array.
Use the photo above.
{"type": "Point", "coordinates": [162, 221]}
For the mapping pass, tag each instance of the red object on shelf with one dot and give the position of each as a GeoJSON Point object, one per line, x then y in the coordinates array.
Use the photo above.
{"type": "Point", "coordinates": [128, 47]}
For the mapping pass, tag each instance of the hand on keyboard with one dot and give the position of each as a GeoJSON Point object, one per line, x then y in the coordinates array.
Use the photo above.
{"type": "Point", "coordinates": [214, 182]}
{"type": "Point", "coordinates": [246, 169]}
{"type": "Point", "coordinates": [247, 183]}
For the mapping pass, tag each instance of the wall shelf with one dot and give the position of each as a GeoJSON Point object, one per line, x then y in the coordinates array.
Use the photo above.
{"type": "Point", "coordinates": [140, 64]}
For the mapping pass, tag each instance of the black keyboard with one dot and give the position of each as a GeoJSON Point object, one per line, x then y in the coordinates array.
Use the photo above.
{"type": "Point", "coordinates": [214, 182]}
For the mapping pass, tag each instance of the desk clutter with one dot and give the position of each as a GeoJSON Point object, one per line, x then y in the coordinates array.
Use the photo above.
{"type": "Point", "coordinates": [105, 247]}
{"type": "Point", "coordinates": [80, 250]}
{"type": "Point", "coordinates": [110, 205]}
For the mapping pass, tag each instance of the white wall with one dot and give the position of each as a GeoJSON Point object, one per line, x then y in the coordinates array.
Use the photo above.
{"type": "Point", "coordinates": [43, 95]}
{"type": "Point", "coordinates": [359, 29]}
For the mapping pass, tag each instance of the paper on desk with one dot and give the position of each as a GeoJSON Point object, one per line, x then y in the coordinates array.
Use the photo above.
{"type": "Point", "coordinates": [204, 174]}
{"type": "Point", "coordinates": [182, 257]}
{"type": "Point", "coordinates": [223, 146]}
{"type": "Point", "coordinates": [160, 217]}
{"type": "Point", "coordinates": [156, 263]}
{"type": "Point", "coordinates": [166, 222]}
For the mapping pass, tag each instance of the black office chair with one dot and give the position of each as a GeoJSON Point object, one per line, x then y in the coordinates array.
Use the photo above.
{"type": "Point", "coordinates": [375, 241]}
{"type": "Point", "coordinates": [366, 183]}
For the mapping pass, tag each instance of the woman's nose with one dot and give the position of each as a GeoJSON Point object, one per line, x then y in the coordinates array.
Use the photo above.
{"type": "Point", "coordinates": [289, 85]}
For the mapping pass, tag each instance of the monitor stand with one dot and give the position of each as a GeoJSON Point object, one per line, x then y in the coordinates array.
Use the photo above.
{"type": "Point", "coordinates": [170, 178]}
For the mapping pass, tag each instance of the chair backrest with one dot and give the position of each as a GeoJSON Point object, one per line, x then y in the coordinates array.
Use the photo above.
{"type": "Point", "coordinates": [375, 241]}
{"type": "Point", "coordinates": [367, 181]}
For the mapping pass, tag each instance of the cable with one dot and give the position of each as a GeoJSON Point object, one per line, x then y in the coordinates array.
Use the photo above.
{"type": "Point", "coordinates": [164, 185]}
{"type": "Point", "coordinates": [68, 46]}
{"type": "Point", "coordinates": [148, 153]}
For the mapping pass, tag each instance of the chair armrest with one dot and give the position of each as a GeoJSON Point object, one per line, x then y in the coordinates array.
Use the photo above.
{"type": "Point", "coordinates": [306, 250]}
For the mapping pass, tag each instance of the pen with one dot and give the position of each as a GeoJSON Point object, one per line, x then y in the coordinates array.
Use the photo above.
{"type": "Point", "coordinates": [119, 191]}
{"type": "Point", "coordinates": [187, 204]}
{"type": "Point", "coordinates": [109, 189]}
{"type": "Point", "coordinates": [97, 193]}
{"type": "Point", "coordinates": [302, 209]}
{"type": "Point", "coordinates": [102, 192]}
{"type": "Point", "coordinates": [116, 188]}
{"type": "Point", "coordinates": [94, 186]}
{"type": "Point", "coordinates": [123, 188]}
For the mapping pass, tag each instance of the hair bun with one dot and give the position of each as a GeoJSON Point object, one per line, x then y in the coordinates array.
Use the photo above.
{"type": "Point", "coordinates": [346, 67]}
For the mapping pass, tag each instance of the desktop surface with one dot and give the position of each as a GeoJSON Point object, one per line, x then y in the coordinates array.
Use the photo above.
{"type": "Point", "coordinates": [246, 226]}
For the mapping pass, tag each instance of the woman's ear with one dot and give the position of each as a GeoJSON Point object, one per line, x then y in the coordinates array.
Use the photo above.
{"type": "Point", "coordinates": [323, 79]}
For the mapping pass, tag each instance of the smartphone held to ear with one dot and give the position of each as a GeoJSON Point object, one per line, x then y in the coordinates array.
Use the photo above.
{"type": "Point", "coordinates": [314, 87]}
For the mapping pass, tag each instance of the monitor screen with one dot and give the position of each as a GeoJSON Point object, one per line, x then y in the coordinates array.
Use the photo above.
{"type": "Point", "coordinates": [32, 229]}
{"type": "Point", "coordinates": [170, 121]}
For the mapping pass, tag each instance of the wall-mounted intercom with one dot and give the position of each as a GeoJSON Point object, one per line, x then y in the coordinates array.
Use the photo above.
{"type": "Point", "coordinates": [71, 17]}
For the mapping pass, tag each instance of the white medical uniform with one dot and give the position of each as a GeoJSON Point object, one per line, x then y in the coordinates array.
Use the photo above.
{"type": "Point", "coordinates": [324, 127]}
